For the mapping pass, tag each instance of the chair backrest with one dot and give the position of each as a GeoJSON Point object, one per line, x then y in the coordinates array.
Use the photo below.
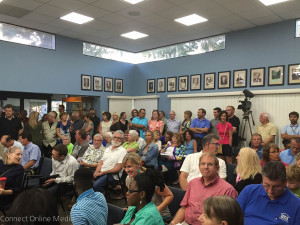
{"type": "Point", "coordinates": [230, 170]}
{"type": "Point", "coordinates": [115, 214]}
{"type": "Point", "coordinates": [178, 196]}
{"type": "Point", "coordinates": [46, 167]}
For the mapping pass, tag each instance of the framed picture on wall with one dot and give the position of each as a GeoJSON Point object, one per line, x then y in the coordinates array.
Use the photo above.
{"type": "Point", "coordinates": [224, 80]}
{"type": "Point", "coordinates": [275, 76]}
{"type": "Point", "coordinates": [171, 84]}
{"type": "Point", "coordinates": [209, 81]}
{"type": "Point", "coordinates": [151, 86]}
{"type": "Point", "coordinates": [161, 85]}
{"type": "Point", "coordinates": [294, 74]}
{"type": "Point", "coordinates": [119, 85]}
{"type": "Point", "coordinates": [85, 82]}
{"type": "Point", "coordinates": [195, 82]}
{"type": "Point", "coordinates": [183, 83]}
{"type": "Point", "coordinates": [97, 83]}
{"type": "Point", "coordinates": [257, 77]}
{"type": "Point", "coordinates": [108, 84]}
{"type": "Point", "coordinates": [239, 78]}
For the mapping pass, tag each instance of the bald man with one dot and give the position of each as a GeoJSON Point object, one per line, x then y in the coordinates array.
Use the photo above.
{"type": "Point", "coordinates": [266, 129]}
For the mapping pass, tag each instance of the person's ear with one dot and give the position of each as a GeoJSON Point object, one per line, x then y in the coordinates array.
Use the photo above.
{"type": "Point", "coordinates": [143, 195]}
{"type": "Point", "coordinates": [224, 223]}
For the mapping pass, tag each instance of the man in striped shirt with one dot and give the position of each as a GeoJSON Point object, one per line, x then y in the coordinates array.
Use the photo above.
{"type": "Point", "coordinates": [91, 206]}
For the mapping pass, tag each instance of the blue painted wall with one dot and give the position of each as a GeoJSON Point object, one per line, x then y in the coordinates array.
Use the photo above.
{"type": "Point", "coordinates": [31, 69]}
{"type": "Point", "coordinates": [264, 46]}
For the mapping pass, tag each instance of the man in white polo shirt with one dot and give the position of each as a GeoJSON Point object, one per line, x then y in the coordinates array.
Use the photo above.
{"type": "Point", "coordinates": [190, 167]}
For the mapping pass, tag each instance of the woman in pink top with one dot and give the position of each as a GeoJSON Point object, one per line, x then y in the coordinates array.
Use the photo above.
{"type": "Point", "coordinates": [155, 123]}
{"type": "Point", "coordinates": [225, 132]}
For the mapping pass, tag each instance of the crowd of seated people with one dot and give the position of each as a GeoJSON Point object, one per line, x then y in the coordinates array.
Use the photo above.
{"type": "Point", "coordinates": [152, 154]}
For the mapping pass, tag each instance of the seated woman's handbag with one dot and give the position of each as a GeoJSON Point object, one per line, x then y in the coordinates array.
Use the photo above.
{"type": "Point", "coordinates": [220, 151]}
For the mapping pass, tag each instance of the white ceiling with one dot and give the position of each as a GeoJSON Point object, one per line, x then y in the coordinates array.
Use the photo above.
{"type": "Point", "coordinates": [156, 18]}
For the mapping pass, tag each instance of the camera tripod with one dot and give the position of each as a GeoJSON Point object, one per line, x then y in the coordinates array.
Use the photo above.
{"type": "Point", "coordinates": [245, 122]}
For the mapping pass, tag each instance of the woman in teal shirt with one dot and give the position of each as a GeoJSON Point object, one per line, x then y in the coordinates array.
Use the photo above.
{"type": "Point", "coordinates": [141, 209]}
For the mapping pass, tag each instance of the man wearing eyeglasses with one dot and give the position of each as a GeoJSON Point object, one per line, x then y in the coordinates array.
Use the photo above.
{"type": "Point", "coordinates": [190, 168]}
{"type": "Point", "coordinates": [111, 162]}
{"type": "Point", "coordinates": [199, 189]}
{"type": "Point", "coordinates": [270, 202]}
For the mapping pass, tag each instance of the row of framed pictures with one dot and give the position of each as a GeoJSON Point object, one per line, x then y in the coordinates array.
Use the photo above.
{"type": "Point", "coordinates": [98, 84]}
{"type": "Point", "coordinates": [257, 79]}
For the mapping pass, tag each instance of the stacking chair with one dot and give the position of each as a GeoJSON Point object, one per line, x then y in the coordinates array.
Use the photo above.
{"type": "Point", "coordinates": [230, 170]}
{"type": "Point", "coordinates": [174, 206]}
{"type": "Point", "coordinates": [114, 183]}
{"type": "Point", "coordinates": [115, 214]}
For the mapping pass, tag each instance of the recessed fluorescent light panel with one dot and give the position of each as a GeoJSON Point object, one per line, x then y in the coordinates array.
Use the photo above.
{"type": "Point", "coordinates": [134, 35]}
{"type": "Point", "coordinates": [76, 18]}
{"type": "Point", "coordinates": [133, 1]}
{"type": "Point", "coordinates": [272, 2]}
{"type": "Point", "coordinates": [191, 19]}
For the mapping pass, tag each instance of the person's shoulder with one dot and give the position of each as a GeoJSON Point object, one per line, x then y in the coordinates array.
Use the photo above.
{"type": "Point", "coordinates": [284, 152]}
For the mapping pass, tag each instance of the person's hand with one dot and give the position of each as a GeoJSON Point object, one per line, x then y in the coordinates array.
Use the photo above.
{"type": "Point", "coordinates": [1, 191]}
{"type": "Point", "coordinates": [48, 182]}
{"type": "Point", "coordinates": [98, 174]}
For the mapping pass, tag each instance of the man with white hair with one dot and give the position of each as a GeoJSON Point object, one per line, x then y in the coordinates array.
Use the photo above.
{"type": "Point", "coordinates": [49, 135]}
{"type": "Point", "coordinates": [173, 124]}
{"type": "Point", "coordinates": [111, 162]}
{"type": "Point", "coordinates": [266, 129]}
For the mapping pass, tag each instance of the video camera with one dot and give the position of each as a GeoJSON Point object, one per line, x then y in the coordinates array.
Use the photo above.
{"type": "Point", "coordinates": [246, 104]}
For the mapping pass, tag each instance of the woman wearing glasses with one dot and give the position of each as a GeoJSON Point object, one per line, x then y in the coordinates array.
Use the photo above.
{"type": "Point", "coordinates": [13, 171]}
{"type": "Point", "coordinates": [141, 209]}
{"type": "Point", "coordinates": [270, 153]}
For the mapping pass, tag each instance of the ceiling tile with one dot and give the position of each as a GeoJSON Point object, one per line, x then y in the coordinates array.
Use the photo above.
{"type": "Point", "coordinates": [50, 28]}
{"type": "Point", "coordinates": [63, 24]}
{"type": "Point", "coordinates": [289, 14]}
{"type": "Point", "coordinates": [114, 19]}
{"type": "Point", "coordinates": [213, 13]}
{"type": "Point", "coordinates": [227, 20]}
{"type": "Point", "coordinates": [196, 4]}
{"type": "Point", "coordinates": [179, 2]}
{"type": "Point", "coordinates": [27, 24]}
{"type": "Point", "coordinates": [38, 17]}
{"type": "Point", "coordinates": [244, 5]}
{"type": "Point", "coordinates": [266, 20]}
{"type": "Point", "coordinates": [92, 11]}
{"type": "Point", "coordinates": [261, 12]}
{"type": "Point", "coordinates": [98, 25]}
{"type": "Point", "coordinates": [52, 11]}
{"type": "Point", "coordinates": [224, 2]}
{"type": "Point", "coordinates": [71, 5]}
{"type": "Point", "coordinates": [153, 19]}
{"type": "Point", "coordinates": [112, 5]}
{"type": "Point", "coordinates": [70, 33]}
{"type": "Point", "coordinates": [174, 13]}
{"type": "Point", "coordinates": [43, 1]}
{"type": "Point", "coordinates": [137, 12]}
{"type": "Point", "coordinates": [156, 5]}
{"type": "Point", "coordinates": [88, 1]}
{"type": "Point", "coordinates": [7, 19]}
{"type": "Point", "coordinates": [28, 4]}
{"type": "Point", "coordinates": [240, 26]}
{"type": "Point", "coordinates": [285, 6]}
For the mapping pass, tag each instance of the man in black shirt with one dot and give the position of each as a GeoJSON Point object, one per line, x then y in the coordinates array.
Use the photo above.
{"type": "Point", "coordinates": [235, 122]}
{"type": "Point", "coordinates": [10, 125]}
{"type": "Point", "coordinates": [95, 119]}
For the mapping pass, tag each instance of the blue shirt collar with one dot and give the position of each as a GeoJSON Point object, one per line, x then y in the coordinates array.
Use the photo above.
{"type": "Point", "coordinates": [86, 193]}
{"type": "Point", "coordinates": [282, 199]}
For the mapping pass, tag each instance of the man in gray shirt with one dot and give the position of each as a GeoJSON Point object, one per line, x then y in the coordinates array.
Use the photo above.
{"type": "Point", "coordinates": [173, 124]}
{"type": "Point", "coordinates": [215, 121]}
{"type": "Point", "coordinates": [76, 124]}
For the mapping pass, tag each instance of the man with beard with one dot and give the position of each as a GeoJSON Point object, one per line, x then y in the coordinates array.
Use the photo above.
{"type": "Point", "coordinates": [111, 162]}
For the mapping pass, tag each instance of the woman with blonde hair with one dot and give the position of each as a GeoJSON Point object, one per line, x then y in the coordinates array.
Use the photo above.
{"type": "Point", "coordinates": [34, 127]}
{"type": "Point", "coordinates": [132, 164]}
{"type": "Point", "coordinates": [115, 123]}
{"type": "Point", "coordinates": [248, 169]}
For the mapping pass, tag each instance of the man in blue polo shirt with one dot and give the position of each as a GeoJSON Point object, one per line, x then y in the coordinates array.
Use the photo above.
{"type": "Point", "coordinates": [200, 127]}
{"type": "Point", "coordinates": [140, 123]}
{"type": "Point", "coordinates": [91, 206]}
{"type": "Point", "coordinates": [288, 156]}
{"type": "Point", "coordinates": [270, 202]}
{"type": "Point", "coordinates": [292, 130]}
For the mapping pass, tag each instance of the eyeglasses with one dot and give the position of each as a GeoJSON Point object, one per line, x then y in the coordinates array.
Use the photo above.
{"type": "Point", "coordinates": [267, 187]}
{"type": "Point", "coordinates": [208, 164]}
{"type": "Point", "coordinates": [217, 144]}
{"type": "Point", "coordinates": [132, 191]}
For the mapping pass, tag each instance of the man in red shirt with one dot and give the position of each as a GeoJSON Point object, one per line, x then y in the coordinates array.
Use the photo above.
{"type": "Point", "coordinates": [199, 189]}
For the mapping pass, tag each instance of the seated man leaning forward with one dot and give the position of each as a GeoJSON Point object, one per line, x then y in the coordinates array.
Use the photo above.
{"type": "Point", "coordinates": [210, 184]}
{"type": "Point", "coordinates": [288, 156]}
{"type": "Point", "coordinates": [94, 153]}
{"type": "Point", "coordinates": [63, 165]}
{"type": "Point", "coordinates": [111, 162]}
{"type": "Point", "coordinates": [270, 202]}
{"type": "Point", "coordinates": [190, 167]}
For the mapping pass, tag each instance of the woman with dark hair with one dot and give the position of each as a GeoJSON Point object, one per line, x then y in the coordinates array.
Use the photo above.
{"type": "Point", "coordinates": [187, 121]}
{"type": "Point", "coordinates": [190, 142]}
{"type": "Point", "coordinates": [141, 209]}
{"type": "Point", "coordinates": [37, 205]}
{"type": "Point", "coordinates": [88, 126]}
{"type": "Point", "coordinates": [221, 210]}
{"type": "Point", "coordinates": [132, 164]}
{"type": "Point", "coordinates": [134, 113]}
{"type": "Point", "coordinates": [34, 127]}
{"type": "Point", "coordinates": [149, 151]}
{"type": "Point", "coordinates": [270, 153]}
{"type": "Point", "coordinates": [224, 130]}
{"type": "Point", "coordinates": [63, 126]}
{"type": "Point", "coordinates": [156, 123]}
{"type": "Point", "coordinates": [123, 122]}
{"type": "Point", "coordinates": [104, 125]}
{"type": "Point", "coordinates": [13, 171]}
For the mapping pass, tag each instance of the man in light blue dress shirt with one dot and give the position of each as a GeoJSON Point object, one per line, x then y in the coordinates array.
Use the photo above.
{"type": "Point", "coordinates": [292, 130]}
{"type": "Point", "coordinates": [31, 153]}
